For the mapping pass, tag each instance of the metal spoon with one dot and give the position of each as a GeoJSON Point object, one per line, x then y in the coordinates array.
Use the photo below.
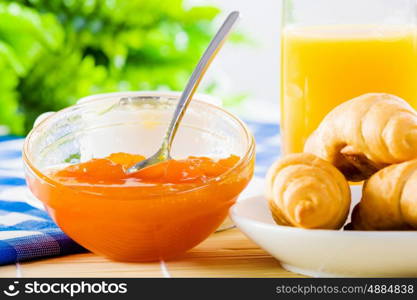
{"type": "Point", "coordinates": [215, 45]}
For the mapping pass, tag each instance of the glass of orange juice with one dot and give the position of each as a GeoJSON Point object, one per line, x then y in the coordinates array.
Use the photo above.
{"type": "Point", "coordinates": [335, 50]}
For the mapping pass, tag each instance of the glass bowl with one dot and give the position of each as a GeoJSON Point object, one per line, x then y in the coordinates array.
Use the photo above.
{"type": "Point", "coordinates": [137, 222]}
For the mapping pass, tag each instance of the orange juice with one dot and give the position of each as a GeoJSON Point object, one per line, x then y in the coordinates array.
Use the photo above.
{"type": "Point", "coordinates": [323, 66]}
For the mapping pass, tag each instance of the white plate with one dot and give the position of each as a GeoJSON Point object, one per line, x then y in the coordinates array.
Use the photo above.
{"type": "Point", "coordinates": [328, 253]}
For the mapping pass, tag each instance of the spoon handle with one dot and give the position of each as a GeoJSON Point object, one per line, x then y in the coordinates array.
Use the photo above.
{"type": "Point", "coordinates": [194, 81]}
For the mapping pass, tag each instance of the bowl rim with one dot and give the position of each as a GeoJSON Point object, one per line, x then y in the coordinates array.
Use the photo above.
{"type": "Point", "coordinates": [295, 230]}
{"type": "Point", "coordinates": [168, 94]}
{"type": "Point", "coordinates": [245, 158]}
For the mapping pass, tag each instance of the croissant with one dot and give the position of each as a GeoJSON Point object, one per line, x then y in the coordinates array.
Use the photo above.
{"type": "Point", "coordinates": [308, 192]}
{"type": "Point", "coordinates": [366, 134]}
{"type": "Point", "coordinates": [389, 200]}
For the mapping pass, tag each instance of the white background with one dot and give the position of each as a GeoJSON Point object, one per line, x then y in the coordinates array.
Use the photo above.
{"type": "Point", "coordinates": [254, 68]}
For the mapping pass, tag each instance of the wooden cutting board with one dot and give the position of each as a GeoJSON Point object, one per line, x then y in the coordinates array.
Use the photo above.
{"type": "Point", "coordinates": [224, 254]}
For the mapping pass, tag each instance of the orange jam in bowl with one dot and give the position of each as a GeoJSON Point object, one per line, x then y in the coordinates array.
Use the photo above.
{"type": "Point", "coordinates": [156, 213]}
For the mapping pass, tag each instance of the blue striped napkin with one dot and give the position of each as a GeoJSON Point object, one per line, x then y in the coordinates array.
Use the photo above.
{"type": "Point", "coordinates": [26, 230]}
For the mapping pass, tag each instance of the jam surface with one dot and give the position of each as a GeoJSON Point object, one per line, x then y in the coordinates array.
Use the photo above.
{"type": "Point", "coordinates": [112, 170]}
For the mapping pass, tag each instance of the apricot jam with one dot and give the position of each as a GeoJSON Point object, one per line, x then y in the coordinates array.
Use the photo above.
{"type": "Point", "coordinates": [112, 170]}
{"type": "Point", "coordinates": [156, 213]}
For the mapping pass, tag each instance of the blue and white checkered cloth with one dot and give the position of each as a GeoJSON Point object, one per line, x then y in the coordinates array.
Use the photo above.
{"type": "Point", "coordinates": [27, 232]}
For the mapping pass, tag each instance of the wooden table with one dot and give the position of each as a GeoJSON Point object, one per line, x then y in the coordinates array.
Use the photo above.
{"type": "Point", "coordinates": [225, 254]}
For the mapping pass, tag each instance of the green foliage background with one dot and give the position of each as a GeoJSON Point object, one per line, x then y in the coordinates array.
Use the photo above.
{"type": "Point", "coordinates": [53, 52]}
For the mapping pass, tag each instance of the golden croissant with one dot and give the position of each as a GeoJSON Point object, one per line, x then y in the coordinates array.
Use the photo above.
{"type": "Point", "coordinates": [366, 134]}
{"type": "Point", "coordinates": [389, 200]}
{"type": "Point", "coordinates": [308, 192]}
